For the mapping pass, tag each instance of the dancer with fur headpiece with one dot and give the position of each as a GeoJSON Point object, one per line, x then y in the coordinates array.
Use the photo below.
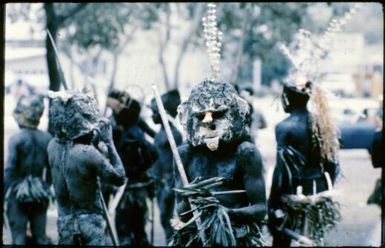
{"type": "Point", "coordinates": [81, 156]}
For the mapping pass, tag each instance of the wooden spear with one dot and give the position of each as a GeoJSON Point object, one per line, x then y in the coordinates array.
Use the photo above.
{"type": "Point", "coordinates": [177, 158]}
{"type": "Point", "coordinates": [63, 80]}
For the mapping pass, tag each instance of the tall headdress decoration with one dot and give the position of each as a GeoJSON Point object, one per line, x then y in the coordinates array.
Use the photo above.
{"type": "Point", "coordinates": [213, 39]}
{"type": "Point", "coordinates": [305, 52]}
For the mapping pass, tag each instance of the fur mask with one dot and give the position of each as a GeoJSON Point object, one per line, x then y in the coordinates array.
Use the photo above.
{"type": "Point", "coordinates": [73, 114]}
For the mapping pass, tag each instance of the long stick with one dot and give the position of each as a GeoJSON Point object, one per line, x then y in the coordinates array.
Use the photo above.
{"type": "Point", "coordinates": [300, 238]}
{"type": "Point", "coordinates": [63, 80]}
{"type": "Point", "coordinates": [177, 158]}
{"type": "Point", "coordinates": [152, 220]}
{"type": "Point", "coordinates": [116, 200]}
{"type": "Point", "coordinates": [105, 211]}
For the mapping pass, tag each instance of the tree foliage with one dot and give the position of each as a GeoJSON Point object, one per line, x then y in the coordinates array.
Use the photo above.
{"type": "Point", "coordinates": [106, 24]}
{"type": "Point", "coordinates": [251, 30]}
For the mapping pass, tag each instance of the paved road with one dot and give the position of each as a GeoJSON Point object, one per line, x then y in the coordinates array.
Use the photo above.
{"type": "Point", "coordinates": [360, 225]}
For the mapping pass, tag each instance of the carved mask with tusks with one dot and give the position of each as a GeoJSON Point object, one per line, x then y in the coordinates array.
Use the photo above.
{"type": "Point", "coordinates": [214, 114]}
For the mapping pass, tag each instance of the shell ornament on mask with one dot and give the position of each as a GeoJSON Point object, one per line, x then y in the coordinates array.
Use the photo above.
{"type": "Point", "coordinates": [214, 114]}
{"type": "Point", "coordinates": [29, 110]}
{"type": "Point", "coordinates": [74, 114]}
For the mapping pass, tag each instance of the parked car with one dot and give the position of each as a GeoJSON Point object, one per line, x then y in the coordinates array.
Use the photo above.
{"type": "Point", "coordinates": [354, 118]}
{"type": "Point", "coordinates": [356, 135]}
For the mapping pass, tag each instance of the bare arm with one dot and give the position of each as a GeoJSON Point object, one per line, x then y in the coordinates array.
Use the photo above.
{"type": "Point", "coordinates": [249, 159]}
{"type": "Point", "coordinates": [110, 170]}
{"type": "Point", "coordinates": [276, 186]}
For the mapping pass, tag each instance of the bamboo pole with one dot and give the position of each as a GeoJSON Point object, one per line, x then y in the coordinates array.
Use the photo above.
{"type": "Point", "coordinates": [111, 228]}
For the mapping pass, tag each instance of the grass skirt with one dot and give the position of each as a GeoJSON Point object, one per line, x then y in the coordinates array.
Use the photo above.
{"type": "Point", "coordinates": [311, 217]}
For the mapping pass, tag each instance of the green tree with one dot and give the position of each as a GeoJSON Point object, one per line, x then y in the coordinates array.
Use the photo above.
{"type": "Point", "coordinates": [257, 27]}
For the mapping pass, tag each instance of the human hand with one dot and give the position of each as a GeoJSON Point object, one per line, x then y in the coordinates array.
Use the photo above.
{"type": "Point", "coordinates": [105, 131]}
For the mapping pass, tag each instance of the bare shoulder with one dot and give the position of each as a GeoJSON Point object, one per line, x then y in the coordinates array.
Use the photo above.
{"type": "Point", "coordinates": [81, 151]}
{"type": "Point", "coordinates": [18, 137]}
{"type": "Point", "coordinates": [184, 150]}
{"type": "Point", "coordinates": [248, 157]}
{"type": "Point", "coordinates": [286, 124]}
{"type": "Point", "coordinates": [284, 128]}
{"type": "Point", "coordinates": [53, 145]}
{"type": "Point", "coordinates": [44, 136]}
{"type": "Point", "coordinates": [247, 147]}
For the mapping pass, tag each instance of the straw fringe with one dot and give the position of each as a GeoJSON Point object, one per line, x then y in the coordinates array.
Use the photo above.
{"type": "Point", "coordinates": [323, 127]}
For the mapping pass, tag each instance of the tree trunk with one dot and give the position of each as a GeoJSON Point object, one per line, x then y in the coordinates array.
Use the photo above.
{"type": "Point", "coordinates": [186, 42]}
{"type": "Point", "coordinates": [53, 73]}
{"type": "Point", "coordinates": [52, 26]}
{"type": "Point", "coordinates": [53, 22]}
{"type": "Point", "coordinates": [247, 18]}
{"type": "Point", "coordinates": [162, 46]}
{"type": "Point", "coordinates": [116, 54]}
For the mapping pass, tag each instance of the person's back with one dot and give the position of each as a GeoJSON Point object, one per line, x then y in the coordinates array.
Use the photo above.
{"type": "Point", "coordinates": [135, 152]}
{"type": "Point", "coordinates": [294, 131]}
{"type": "Point", "coordinates": [32, 157]}
{"type": "Point", "coordinates": [78, 165]}
{"type": "Point", "coordinates": [58, 180]}
{"type": "Point", "coordinates": [302, 169]}
{"type": "Point", "coordinates": [27, 190]}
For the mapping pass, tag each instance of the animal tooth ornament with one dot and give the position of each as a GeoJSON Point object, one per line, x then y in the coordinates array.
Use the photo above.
{"type": "Point", "coordinates": [307, 145]}
{"type": "Point", "coordinates": [223, 166]}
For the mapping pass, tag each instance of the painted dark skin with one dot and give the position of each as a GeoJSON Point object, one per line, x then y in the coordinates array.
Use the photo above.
{"type": "Point", "coordinates": [241, 165]}
{"type": "Point", "coordinates": [163, 171]}
{"type": "Point", "coordinates": [77, 188]}
{"type": "Point", "coordinates": [137, 156]}
{"type": "Point", "coordinates": [27, 155]}
{"type": "Point", "coordinates": [295, 131]}
{"type": "Point", "coordinates": [216, 112]}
